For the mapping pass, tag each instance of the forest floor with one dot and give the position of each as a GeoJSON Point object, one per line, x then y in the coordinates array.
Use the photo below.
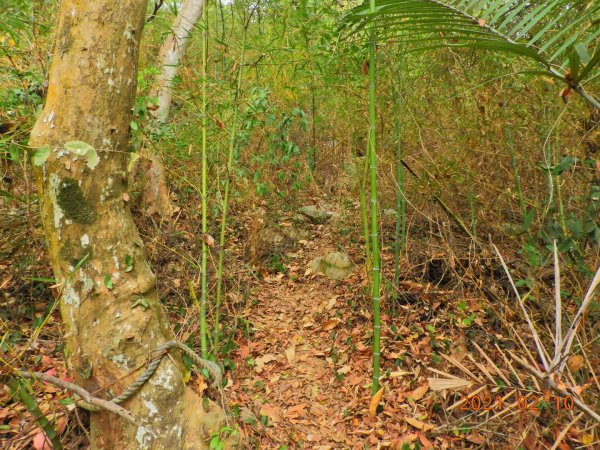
{"type": "Point", "coordinates": [302, 344]}
{"type": "Point", "coordinates": [303, 377]}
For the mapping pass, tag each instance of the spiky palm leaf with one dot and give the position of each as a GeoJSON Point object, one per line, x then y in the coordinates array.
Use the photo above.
{"type": "Point", "coordinates": [560, 35]}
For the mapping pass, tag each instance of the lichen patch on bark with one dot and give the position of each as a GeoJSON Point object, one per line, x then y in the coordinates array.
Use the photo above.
{"type": "Point", "coordinates": [70, 296]}
{"type": "Point", "coordinates": [164, 378]}
{"type": "Point", "coordinates": [121, 361]}
{"type": "Point", "coordinates": [54, 182]}
{"type": "Point", "coordinates": [151, 407]}
{"type": "Point", "coordinates": [143, 436]}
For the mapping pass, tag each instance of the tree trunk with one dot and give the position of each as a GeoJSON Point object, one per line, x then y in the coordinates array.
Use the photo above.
{"type": "Point", "coordinates": [156, 192]}
{"type": "Point", "coordinates": [112, 316]}
{"type": "Point", "coordinates": [171, 53]}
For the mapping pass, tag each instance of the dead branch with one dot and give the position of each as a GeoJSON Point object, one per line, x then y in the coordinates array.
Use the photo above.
{"type": "Point", "coordinates": [157, 6]}
{"type": "Point", "coordinates": [85, 395]}
{"type": "Point", "coordinates": [552, 384]}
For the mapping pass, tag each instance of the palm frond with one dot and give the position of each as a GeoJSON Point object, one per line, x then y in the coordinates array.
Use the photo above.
{"type": "Point", "coordinates": [561, 35]}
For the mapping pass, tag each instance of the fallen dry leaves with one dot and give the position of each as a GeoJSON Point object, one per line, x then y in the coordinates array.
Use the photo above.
{"type": "Point", "coordinates": [302, 376]}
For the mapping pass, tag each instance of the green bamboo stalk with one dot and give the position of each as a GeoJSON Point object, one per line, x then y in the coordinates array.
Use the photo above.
{"type": "Point", "coordinates": [203, 293]}
{"type": "Point", "coordinates": [400, 235]}
{"type": "Point", "coordinates": [222, 33]}
{"type": "Point", "coordinates": [234, 127]}
{"type": "Point", "coordinates": [364, 214]}
{"type": "Point", "coordinates": [561, 205]}
{"type": "Point", "coordinates": [376, 272]}
{"type": "Point", "coordinates": [400, 232]}
{"type": "Point", "coordinates": [18, 389]}
{"type": "Point", "coordinates": [549, 159]}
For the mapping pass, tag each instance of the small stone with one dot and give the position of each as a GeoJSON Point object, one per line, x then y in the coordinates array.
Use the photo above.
{"type": "Point", "coordinates": [335, 265]}
{"type": "Point", "coordinates": [338, 259]}
{"type": "Point", "coordinates": [315, 214]}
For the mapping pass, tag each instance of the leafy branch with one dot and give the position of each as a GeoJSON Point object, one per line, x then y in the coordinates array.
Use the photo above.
{"type": "Point", "coordinates": [561, 36]}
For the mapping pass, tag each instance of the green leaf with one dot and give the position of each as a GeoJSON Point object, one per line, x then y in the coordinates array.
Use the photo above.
{"type": "Point", "coordinates": [44, 279]}
{"type": "Point", "coordinates": [78, 148]}
{"type": "Point", "coordinates": [591, 64]}
{"type": "Point", "coordinates": [581, 50]}
{"type": "Point", "coordinates": [574, 61]}
{"type": "Point", "coordinates": [565, 164]}
{"type": "Point", "coordinates": [108, 282]}
{"type": "Point", "coordinates": [134, 126]}
{"type": "Point", "coordinates": [41, 155]}
{"type": "Point", "coordinates": [216, 443]}
{"type": "Point", "coordinates": [81, 262]}
{"type": "Point", "coordinates": [528, 219]}
{"type": "Point", "coordinates": [576, 228]}
{"type": "Point", "coordinates": [521, 282]}
{"type": "Point", "coordinates": [81, 148]}
{"type": "Point", "coordinates": [141, 301]}
{"type": "Point", "coordinates": [544, 32]}
{"type": "Point", "coordinates": [468, 321]}
{"type": "Point", "coordinates": [92, 159]}
{"type": "Point", "coordinates": [128, 263]}
{"type": "Point", "coordinates": [14, 152]}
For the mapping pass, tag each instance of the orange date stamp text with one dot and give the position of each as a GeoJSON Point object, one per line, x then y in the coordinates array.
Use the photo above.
{"type": "Point", "coordinates": [530, 402]}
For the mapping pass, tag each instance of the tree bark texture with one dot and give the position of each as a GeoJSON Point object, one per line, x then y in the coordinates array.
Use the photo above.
{"type": "Point", "coordinates": [171, 53]}
{"type": "Point", "coordinates": [156, 193]}
{"type": "Point", "coordinates": [112, 315]}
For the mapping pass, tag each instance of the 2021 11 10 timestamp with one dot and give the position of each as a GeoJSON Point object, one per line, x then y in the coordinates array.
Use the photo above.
{"type": "Point", "coordinates": [530, 402]}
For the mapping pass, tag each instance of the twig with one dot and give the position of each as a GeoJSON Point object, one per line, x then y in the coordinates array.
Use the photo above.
{"type": "Point", "coordinates": [564, 432]}
{"type": "Point", "coordinates": [457, 220]}
{"type": "Point", "coordinates": [157, 6]}
{"type": "Point", "coordinates": [568, 340]}
{"type": "Point", "coordinates": [85, 395]}
{"type": "Point", "coordinates": [536, 338]}
{"type": "Point", "coordinates": [552, 384]}
{"type": "Point", "coordinates": [491, 363]}
{"type": "Point", "coordinates": [557, 304]}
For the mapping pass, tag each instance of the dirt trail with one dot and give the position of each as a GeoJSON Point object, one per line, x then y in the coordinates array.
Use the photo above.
{"type": "Point", "coordinates": [298, 348]}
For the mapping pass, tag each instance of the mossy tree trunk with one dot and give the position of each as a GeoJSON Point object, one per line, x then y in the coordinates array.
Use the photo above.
{"type": "Point", "coordinates": [112, 316]}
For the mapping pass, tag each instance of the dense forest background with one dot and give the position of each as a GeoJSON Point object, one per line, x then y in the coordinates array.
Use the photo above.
{"type": "Point", "coordinates": [481, 152]}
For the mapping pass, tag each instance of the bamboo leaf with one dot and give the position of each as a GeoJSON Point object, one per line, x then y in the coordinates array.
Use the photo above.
{"type": "Point", "coordinates": [574, 61]}
{"type": "Point", "coordinates": [581, 50]}
{"type": "Point", "coordinates": [591, 64]}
